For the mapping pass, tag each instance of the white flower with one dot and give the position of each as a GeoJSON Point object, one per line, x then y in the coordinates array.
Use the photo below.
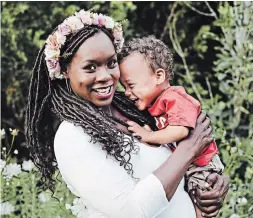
{"type": "Point", "coordinates": [15, 151]}
{"type": "Point", "coordinates": [242, 201]}
{"type": "Point", "coordinates": [79, 209]}
{"type": "Point", "coordinates": [44, 197]}
{"type": "Point", "coordinates": [60, 38]}
{"type": "Point", "coordinates": [109, 22]}
{"type": "Point", "coordinates": [84, 16]}
{"type": "Point", "coordinates": [68, 206]}
{"type": "Point", "coordinates": [52, 54]}
{"type": "Point", "coordinates": [2, 133]}
{"type": "Point", "coordinates": [2, 164]}
{"type": "Point", "coordinates": [14, 132]}
{"type": "Point", "coordinates": [27, 165]}
{"type": "Point", "coordinates": [95, 19]}
{"type": "Point", "coordinates": [4, 148]}
{"type": "Point", "coordinates": [233, 149]}
{"type": "Point", "coordinates": [6, 208]}
{"type": "Point", "coordinates": [12, 169]}
{"type": "Point", "coordinates": [74, 23]}
{"type": "Point", "coordinates": [234, 216]}
{"type": "Point", "coordinates": [101, 20]}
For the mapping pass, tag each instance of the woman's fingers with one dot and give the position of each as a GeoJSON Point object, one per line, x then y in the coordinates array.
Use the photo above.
{"type": "Point", "coordinates": [208, 131]}
{"type": "Point", "coordinates": [208, 210]}
{"type": "Point", "coordinates": [212, 214]}
{"type": "Point", "coordinates": [201, 117]}
{"type": "Point", "coordinates": [215, 193]}
{"type": "Point", "coordinates": [211, 201]}
{"type": "Point", "coordinates": [212, 179]}
{"type": "Point", "coordinates": [206, 123]}
{"type": "Point", "coordinates": [207, 203]}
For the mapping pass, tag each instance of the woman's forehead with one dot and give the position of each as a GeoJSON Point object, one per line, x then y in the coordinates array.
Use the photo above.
{"type": "Point", "coordinates": [96, 47]}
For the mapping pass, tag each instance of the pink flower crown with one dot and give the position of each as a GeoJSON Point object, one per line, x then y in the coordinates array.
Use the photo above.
{"type": "Point", "coordinates": [71, 25]}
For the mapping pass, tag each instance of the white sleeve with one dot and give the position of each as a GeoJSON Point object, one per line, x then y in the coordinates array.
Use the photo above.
{"type": "Point", "coordinates": [101, 181]}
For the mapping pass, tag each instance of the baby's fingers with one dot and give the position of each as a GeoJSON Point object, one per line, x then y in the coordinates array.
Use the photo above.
{"type": "Point", "coordinates": [132, 123]}
{"type": "Point", "coordinates": [147, 127]}
{"type": "Point", "coordinates": [131, 129]}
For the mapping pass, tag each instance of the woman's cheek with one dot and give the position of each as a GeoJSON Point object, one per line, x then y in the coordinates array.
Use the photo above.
{"type": "Point", "coordinates": [116, 73]}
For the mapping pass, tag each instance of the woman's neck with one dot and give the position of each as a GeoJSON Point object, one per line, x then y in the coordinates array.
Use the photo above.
{"type": "Point", "coordinates": [107, 109]}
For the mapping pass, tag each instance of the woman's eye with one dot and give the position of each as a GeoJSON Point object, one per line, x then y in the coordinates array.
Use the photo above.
{"type": "Point", "coordinates": [112, 63]}
{"type": "Point", "coordinates": [91, 67]}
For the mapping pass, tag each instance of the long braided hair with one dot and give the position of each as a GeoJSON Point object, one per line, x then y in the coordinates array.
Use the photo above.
{"type": "Point", "coordinates": [50, 99]}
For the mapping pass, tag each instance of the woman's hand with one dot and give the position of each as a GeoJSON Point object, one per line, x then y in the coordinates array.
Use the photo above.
{"type": "Point", "coordinates": [200, 137]}
{"type": "Point", "coordinates": [210, 202]}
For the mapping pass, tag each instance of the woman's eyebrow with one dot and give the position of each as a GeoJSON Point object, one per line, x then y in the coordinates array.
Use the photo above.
{"type": "Point", "coordinates": [95, 61]}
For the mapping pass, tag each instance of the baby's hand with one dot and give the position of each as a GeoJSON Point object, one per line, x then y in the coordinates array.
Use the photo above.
{"type": "Point", "coordinates": [138, 130]}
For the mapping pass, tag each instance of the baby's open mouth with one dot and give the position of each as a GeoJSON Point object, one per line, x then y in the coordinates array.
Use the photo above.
{"type": "Point", "coordinates": [135, 101]}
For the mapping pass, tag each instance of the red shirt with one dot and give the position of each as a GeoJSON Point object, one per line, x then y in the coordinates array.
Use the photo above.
{"type": "Point", "coordinates": [176, 108]}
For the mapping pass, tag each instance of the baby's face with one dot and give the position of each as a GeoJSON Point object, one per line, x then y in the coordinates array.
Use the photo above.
{"type": "Point", "coordinates": [138, 80]}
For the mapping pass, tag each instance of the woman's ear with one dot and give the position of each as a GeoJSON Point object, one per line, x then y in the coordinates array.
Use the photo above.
{"type": "Point", "coordinates": [66, 74]}
{"type": "Point", "coordinates": [160, 76]}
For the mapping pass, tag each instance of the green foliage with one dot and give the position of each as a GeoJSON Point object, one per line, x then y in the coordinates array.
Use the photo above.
{"type": "Point", "coordinates": [228, 93]}
{"type": "Point", "coordinates": [20, 188]}
{"type": "Point", "coordinates": [29, 201]}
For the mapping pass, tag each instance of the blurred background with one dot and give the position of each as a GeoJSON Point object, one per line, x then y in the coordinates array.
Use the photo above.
{"type": "Point", "coordinates": [213, 48]}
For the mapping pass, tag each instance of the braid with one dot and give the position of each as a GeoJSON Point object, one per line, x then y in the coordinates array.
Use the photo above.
{"type": "Point", "coordinates": [39, 133]}
{"type": "Point", "coordinates": [48, 100]}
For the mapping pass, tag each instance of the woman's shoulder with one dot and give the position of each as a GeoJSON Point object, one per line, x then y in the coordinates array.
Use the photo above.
{"type": "Point", "coordinates": [69, 133]}
{"type": "Point", "coordinates": [67, 129]}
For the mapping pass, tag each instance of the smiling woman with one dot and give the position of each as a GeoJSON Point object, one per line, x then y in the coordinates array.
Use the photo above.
{"type": "Point", "coordinates": [93, 71]}
{"type": "Point", "coordinates": [115, 174]}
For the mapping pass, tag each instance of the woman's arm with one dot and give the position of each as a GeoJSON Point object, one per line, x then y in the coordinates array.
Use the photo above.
{"type": "Point", "coordinates": [173, 170]}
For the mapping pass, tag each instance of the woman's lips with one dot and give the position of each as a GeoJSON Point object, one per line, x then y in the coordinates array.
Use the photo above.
{"type": "Point", "coordinates": [104, 92]}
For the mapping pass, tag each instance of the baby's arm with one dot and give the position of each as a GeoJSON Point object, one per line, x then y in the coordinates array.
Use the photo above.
{"type": "Point", "coordinates": [167, 135]}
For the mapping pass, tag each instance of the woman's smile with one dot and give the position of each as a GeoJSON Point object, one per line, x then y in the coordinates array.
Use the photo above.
{"type": "Point", "coordinates": [104, 92]}
{"type": "Point", "coordinates": [95, 77]}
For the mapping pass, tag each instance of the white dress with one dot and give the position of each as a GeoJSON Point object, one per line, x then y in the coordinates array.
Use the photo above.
{"type": "Point", "coordinates": [106, 188]}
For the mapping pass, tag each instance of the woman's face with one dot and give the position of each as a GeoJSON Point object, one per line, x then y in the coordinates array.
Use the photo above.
{"type": "Point", "coordinates": [94, 70]}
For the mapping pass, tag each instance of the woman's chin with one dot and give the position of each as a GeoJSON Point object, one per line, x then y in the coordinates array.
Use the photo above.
{"type": "Point", "coordinates": [103, 99]}
{"type": "Point", "coordinates": [102, 103]}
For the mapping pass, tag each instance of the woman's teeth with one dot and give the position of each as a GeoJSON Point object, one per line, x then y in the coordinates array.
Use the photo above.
{"type": "Point", "coordinates": [103, 90]}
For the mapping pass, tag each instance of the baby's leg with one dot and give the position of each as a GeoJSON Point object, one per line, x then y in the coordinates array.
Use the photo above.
{"type": "Point", "coordinates": [198, 212]}
{"type": "Point", "coordinates": [196, 177]}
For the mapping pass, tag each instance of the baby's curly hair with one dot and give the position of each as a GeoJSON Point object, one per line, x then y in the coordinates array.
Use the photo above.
{"type": "Point", "coordinates": [154, 50]}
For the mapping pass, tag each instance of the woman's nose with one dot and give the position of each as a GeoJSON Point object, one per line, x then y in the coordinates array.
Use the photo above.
{"type": "Point", "coordinates": [103, 74]}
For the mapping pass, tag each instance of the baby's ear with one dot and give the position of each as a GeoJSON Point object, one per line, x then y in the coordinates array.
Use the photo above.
{"type": "Point", "coordinates": [160, 76]}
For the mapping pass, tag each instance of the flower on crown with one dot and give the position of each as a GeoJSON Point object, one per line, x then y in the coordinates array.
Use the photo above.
{"type": "Point", "coordinates": [71, 25]}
